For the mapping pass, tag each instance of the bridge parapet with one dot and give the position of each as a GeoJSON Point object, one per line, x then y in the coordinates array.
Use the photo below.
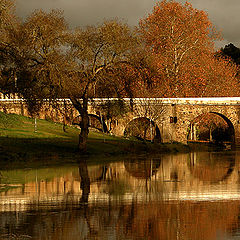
{"type": "Point", "coordinates": [179, 101]}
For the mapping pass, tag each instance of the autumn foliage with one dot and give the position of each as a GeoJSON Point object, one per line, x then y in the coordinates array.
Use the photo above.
{"type": "Point", "coordinates": [181, 40]}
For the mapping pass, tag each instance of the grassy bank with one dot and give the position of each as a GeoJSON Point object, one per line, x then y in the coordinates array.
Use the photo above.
{"type": "Point", "coordinates": [20, 141]}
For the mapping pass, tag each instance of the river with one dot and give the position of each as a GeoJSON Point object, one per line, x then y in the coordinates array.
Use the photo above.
{"type": "Point", "coordinates": [190, 196]}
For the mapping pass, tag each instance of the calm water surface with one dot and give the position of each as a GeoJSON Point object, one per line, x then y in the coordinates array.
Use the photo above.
{"type": "Point", "coordinates": [193, 196]}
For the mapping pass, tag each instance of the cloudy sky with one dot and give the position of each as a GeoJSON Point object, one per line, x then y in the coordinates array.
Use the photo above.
{"type": "Point", "coordinates": [224, 14]}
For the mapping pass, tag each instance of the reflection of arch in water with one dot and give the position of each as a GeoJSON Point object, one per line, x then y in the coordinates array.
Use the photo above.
{"type": "Point", "coordinates": [143, 128]}
{"type": "Point", "coordinates": [142, 168]}
{"type": "Point", "coordinates": [95, 121]}
{"type": "Point", "coordinates": [226, 134]}
{"type": "Point", "coordinates": [211, 167]}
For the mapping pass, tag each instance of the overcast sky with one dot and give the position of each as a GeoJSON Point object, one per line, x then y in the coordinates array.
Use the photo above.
{"type": "Point", "coordinates": [224, 14]}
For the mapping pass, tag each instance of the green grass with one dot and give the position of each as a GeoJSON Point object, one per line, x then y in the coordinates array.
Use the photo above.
{"type": "Point", "coordinates": [50, 144]}
{"type": "Point", "coordinates": [12, 125]}
{"type": "Point", "coordinates": [19, 141]}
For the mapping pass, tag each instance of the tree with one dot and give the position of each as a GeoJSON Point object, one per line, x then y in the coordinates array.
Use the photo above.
{"type": "Point", "coordinates": [9, 54]}
{"type": "Point", "coordinates": [8, 21]}
{"type": "Point", "coordinates": [38, 61]}
{"type": "Point", "coordinates": [231, 51]}
{"type": "Point", "coordinates": [97, 53]}
{"type": "Point", "coordinates": [218, 78]}
{"type": "Point", "coordinates": [181, 39]}
{"type": "Point", "coordinates": [79, 64]}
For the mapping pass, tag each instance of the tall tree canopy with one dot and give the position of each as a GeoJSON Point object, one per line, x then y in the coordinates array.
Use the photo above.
{"type": "Point", "coordinates": [78, 64]}
{"type": "Point", "coordinates": [9, 52]}
{"type": "Point", "coordinates": [45, 64]}
{"type": "Point", "coordinates": [8, 19]}
{"type": "Point", "coordinates": [181, 39]}
{"type": "Point", "coordinates": [97, 53]}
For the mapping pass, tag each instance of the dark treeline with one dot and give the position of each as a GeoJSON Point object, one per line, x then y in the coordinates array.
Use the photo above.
{"type": "Point", "coordinates": [232, 52]}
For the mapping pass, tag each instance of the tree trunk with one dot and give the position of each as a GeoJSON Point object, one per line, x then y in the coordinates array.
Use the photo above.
{"type": "Point", "coordinates": [83, 136]}
{"type": "Point", "coordinates": [84, 125]}
{"type": "Point", "coordinates": [82, 108]}
{"type": "Point", "coordinates": [210, 134]}
{"type": "Point", "coordinates": [64, 123]}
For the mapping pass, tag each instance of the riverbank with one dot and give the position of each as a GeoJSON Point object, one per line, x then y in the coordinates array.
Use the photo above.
{"type": "Point", "coordinates": [21, 140]}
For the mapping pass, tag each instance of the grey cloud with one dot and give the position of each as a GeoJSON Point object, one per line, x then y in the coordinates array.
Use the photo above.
{"type": "Point", "coordinates": [224, 14]}
{"type": "Point", "coordinates": [85, 12]}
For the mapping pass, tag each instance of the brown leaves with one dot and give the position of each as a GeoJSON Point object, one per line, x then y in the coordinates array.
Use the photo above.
{"type": "Point", "coordinates": [8, 19]}
{"type": "Point", "coordinates": [99, 51]}
{"type": "Point", "coordinates": [181, 39]}
{"type": "Point", "coordinates": [45, 31]}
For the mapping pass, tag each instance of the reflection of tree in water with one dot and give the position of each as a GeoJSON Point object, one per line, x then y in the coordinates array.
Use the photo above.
{"type": "Point", "coordinates": [85, 187]}
{"type": "Point", "coordinates": [85, 181]}
{"type": "Point", "coordinates": [180, 220]}
{"type": "Point", "coordinates": [132, 219]}
{"type": "Point", "coordinates": [150, 220]}
{"type": "Point", "coordinates": [211, 166]}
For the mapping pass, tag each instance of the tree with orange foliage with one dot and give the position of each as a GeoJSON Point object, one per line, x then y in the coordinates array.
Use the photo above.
{"type": "Point", "coordinates": [181, 39]}
{"type": "Point", "coordinates": [219, 78]}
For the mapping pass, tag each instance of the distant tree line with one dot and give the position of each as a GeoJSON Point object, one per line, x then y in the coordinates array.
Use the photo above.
{"type": "Point", "coordinates": [232, 52]}
{"type": "Point", "coordinates": [170, 54]}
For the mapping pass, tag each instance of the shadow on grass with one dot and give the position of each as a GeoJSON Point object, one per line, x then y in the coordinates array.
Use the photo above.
{"type": "Point", "coordinates": [25, 152]}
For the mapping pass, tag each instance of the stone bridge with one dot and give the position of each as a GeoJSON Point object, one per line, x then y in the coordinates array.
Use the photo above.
{"type": "Point", "coordinates": [162, 119]}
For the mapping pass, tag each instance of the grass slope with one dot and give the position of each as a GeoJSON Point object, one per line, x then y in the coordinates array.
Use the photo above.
{"type": "Point", "coordinates": [18, 141]}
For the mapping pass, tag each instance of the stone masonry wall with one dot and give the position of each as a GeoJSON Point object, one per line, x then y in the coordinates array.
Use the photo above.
{"type": "Point", "coordinates": [172, 117]}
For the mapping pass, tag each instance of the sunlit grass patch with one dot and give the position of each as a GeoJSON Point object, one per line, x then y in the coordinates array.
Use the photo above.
{"type": "Point", "coordinates": [21, 141]}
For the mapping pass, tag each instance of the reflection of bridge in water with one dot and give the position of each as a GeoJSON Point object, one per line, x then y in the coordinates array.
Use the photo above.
{"type": "Point", "coordinates": [195, 176]}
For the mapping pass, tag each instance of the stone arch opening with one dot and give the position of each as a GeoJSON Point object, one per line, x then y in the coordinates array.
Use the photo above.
{"type": "Point", "coordinates": [143, 128]}
{"type": "Point", "coordinates": [211, 127]}
{"type": "Point", "coordinates": [142, 168]}
{"type": "Point", "coordinates": [97, 173]}
{"type": "Point", "coordinates": [95, 122]}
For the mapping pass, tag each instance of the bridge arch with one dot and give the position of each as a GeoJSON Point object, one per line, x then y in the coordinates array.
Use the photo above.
{"type": "Point", "coordinates": [95, 122]}
{"type": "Point", "coordinates": [211, 126]}
{"type": "Point", "coordinates": [143, 128]}
{"type": "Point", "coordinates": [142, 168]}
{"type": "Point", "coordinates": [230, 125]}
